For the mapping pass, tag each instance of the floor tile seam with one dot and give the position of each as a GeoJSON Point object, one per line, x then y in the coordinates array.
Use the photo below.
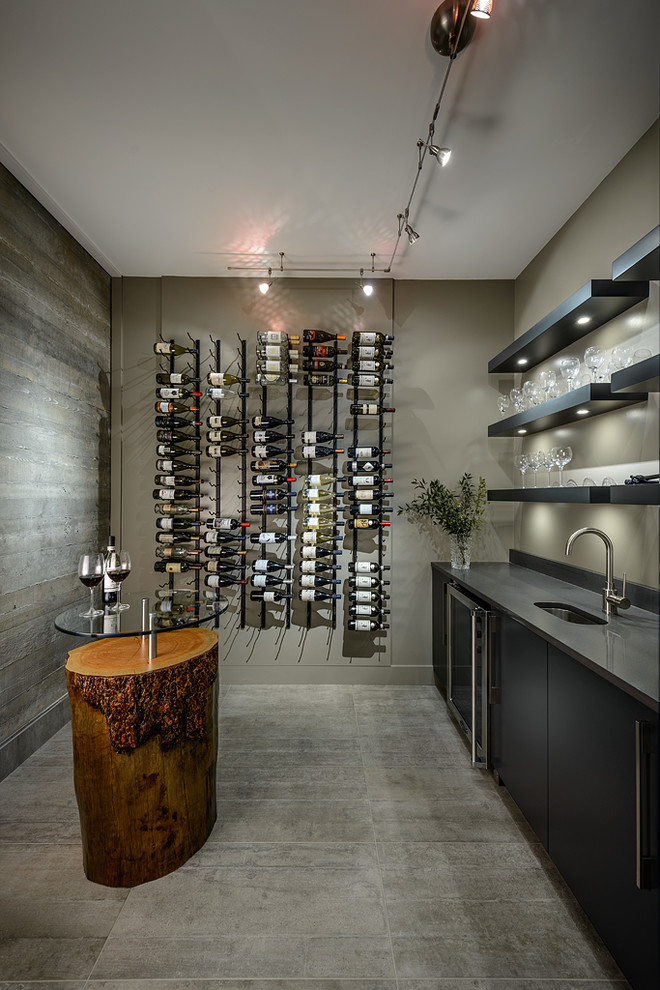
{"type": "Point", "coordinates": [385, 907]}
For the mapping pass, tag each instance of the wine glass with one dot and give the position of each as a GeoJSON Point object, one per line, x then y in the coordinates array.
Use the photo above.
{"type": "Point", "coordinates": [594, 358]}
{"type": "Point", "coordinates": [90, 572]}
{"type": "Point", "coordinates": [535, 461]}
{"type": "Point", "coordinates": [562, 456]}
{"type": "Point", "coordinates": [642, 354]}
{"type": "Point", "coordinates": [118, 569]}
{"type": "Point", "coordinates": [622, 356]}
{"type": "Point", "coordinates": [570, 368]}
{"type": "Point", "coordinates": [521, 461]}
{"type": "Point", "coordinates": [516, 397]}
{"type": "Point", "coordinates": [532, 393]}
{"type": "Point", "coordinates": [547, 381]}
{"type": "Point", "coordinates": [503, 403]}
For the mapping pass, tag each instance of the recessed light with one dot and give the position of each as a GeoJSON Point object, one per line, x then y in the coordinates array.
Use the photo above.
{"type": "Point", "coordinates": [522, 361]}
{"type": "Point", "coordinates": [582, 320]}
{"type": "Point", "coordinates": [581, 412]}
{"type": "Point", "coordinates": [522, 432]}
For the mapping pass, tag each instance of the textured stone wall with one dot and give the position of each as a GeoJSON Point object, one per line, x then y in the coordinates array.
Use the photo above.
{"type": "Point", "coordinates": [54, 455]}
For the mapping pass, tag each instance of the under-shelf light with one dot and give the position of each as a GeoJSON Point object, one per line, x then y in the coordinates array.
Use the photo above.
{"type": "Point", "coordinates": [582, 320]}
{"type": "Point", "coordinates": [581, 412]}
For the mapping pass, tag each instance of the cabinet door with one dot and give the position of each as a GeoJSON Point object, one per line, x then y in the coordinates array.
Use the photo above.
{"type": "Point", "coordinates": [519, 720]}
{"type": "Point", "coordinates": [440, 631]}
{"type": "Point", "coordinates": [593, 823]}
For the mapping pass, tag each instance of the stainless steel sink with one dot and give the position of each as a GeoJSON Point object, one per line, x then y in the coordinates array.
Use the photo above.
{"type": "Point", "coordinates": [569, 613]}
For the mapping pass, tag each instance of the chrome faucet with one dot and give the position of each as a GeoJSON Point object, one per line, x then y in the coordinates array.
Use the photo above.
{"type": "Point", "coordinates": [611, 601]}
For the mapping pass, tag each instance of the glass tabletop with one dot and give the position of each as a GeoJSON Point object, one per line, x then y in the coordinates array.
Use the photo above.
{"type": "Point", "coordinates": [171, 609]}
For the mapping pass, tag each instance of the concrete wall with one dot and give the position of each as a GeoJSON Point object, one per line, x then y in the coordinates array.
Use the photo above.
{"type": "Point", "coordinates": [445, 333]}
{"type": "Point", "coordinates": [54, 451]}
{"type": "Point", "coordinates": [623, 208]}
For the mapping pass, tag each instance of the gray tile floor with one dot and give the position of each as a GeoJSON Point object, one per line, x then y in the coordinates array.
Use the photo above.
{"type": "Point", "coordinates": [355, 849]}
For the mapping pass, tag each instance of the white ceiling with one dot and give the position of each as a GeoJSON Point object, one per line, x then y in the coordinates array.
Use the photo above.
{"type": "Point", "coordinates": [179, 137]}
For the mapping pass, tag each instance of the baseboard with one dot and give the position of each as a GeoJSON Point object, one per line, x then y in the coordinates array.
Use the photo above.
{"type": "Point", "coordinates": [27, 741]}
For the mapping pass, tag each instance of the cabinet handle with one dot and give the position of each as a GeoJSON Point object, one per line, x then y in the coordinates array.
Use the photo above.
{"type": "Point", "coordinates": [643, 864]}
{"type": "Point", "coordinates": [473, 651]}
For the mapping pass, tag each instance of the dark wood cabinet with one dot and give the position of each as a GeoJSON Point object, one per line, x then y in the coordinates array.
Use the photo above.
{"type": "Point", "coordinates": [439, 605]}
{"type": "Point", "coordinates": [519, 720]}
{"type": "Point", "coordinates": [603, 810]}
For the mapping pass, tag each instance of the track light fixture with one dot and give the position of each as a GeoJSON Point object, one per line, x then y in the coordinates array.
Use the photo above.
{"type": "Point", "coordinates": [441, 155]}
{"type": "Point", "coordinates": [367, 287]}
{"type": "Point", "coordinates": [265, 286]}
{"type": "Point", "coordinates": [482, 9]}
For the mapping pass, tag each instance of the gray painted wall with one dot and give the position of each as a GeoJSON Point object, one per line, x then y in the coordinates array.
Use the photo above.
{"type": "Point", "coordinates": [624, 207]}
{"type": "Point", "coordinates": [445, 333]}
{"type": "Point", "coordinates": [54, 450]}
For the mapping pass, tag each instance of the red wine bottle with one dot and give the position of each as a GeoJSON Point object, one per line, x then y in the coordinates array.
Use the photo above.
{"type": "Point", "coordinates": [317, 581]}
{"type": "Point", "coordinates": [321, 350]}
{"type": "Point", "coordinates": [321, 336]}
{"type": "Point", "coordinates": [316, 595]}
{"type": "Point", "coordinates": [269, 422]}
{"type": "Point", "coordinates": [175, 566]}
{"type": "Point", "coordinates": [367, 523]}
{"type": "Point", "coordinates": [366, 625]}
{"type": "Point", "coordinates": [272, 595]}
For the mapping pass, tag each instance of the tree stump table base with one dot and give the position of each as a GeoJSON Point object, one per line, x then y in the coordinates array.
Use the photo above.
{"type": "Point", "coordinates": [145, 737]}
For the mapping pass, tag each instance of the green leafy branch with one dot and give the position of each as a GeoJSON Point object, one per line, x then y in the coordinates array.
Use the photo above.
{"type": "Point", "coordinates": [457, 512]}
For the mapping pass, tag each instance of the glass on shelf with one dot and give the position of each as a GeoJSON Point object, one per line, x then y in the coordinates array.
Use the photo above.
{"type": "Point", "coordinates": [90, 572]}
{"type": "Point", "coordinates": [532, 393]}
{"type": "Point", "coordinates": [621, 357]}
{"type": "Point", "coordinates": [503, 403]}
{"type": "Point", "coordinates": [562, 456]}
{"type": "Point", "coordinates": [516, 396]}
{"type": "Point", "coordinates": [570, 369]}
{"type": "Point", "coordinates": [521, 461]}
{"type": "Point", "coordinates": [118, 569]}
{"type": "Point", "coordinates": [548, 462]}
{"type": "Point", "coordinates": [547, 381]}
{"type": "Point", "coordinates": [595, 359]}
{"type": "Point", "coordinates": [535, 460]}
{"type": "Point", "coordinates": [641, 354]}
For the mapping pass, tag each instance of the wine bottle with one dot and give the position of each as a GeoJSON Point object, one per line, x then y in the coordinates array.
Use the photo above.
{"type": "Point", "coordinates": [317, 566]}
{"type": "Point", "coordinates": [263, 451]}
{"type": "Point", "coordinates": [175, 392]}
{"type": "Point", "coordinates": [176, 480]}
{"type": "Point", "coordinates": [320, 364]}
{"type": "Point", "coordinates": [366, 523]}
{"type": "Point", "coordinates": [317, 495]}
{"type": "Point", "coordinates": [272, 595]}
{"type": "Point", "coordinates": [174, 466]}
{"type": "Point", "coordinates": [369, 409]}
{"type": "Point", "coordinates": [222, 436]}
{"type": "Point", "coordinates": [322, 479]}
{"type": "Point", "coordinates": [365, 625]}
{"type": "Point", "coordinates": [367, 467]}
{"type": "Point", "coordinates": [174, 494]}
{"type": "Point", "coordinates": [170, 524]}
{"type": "Point", "coordinates": [223, 450]}
{"type": "Point", "coordinates": [366, 581]}
{"type": "Point", "coordinates": [268, 422]}
{"type": "Point", "coordinates": [166, 347]}
{"type": "Point", "coordinates": [175, 450]}
{"type": "Point", "coordinates": [273, 537]}
{"type": "Point", "coordinates": [218, 422]}
{"type": "Point", "coordinates": [163, 406]}
{"type": "Point", "coordinates": [222, 566]}
{"type": "Point", "coordinates": [370, 352]}
{"type": "Point", "coordinates": [369, 480]}
{"type": "Point", "coordinates": [172, 509]}
{"type": "Point", "coordinates": [177, 422]}
{"type": "Point", "coordinates": [271, 464]}
{"type": "Point", "coordinates": [368, 494]}
{"type": "Point", "coordinates": [276, 337]}
{"type": "Point", "coordinates": [222, 580]}
{"type": "Point", "coordinates": [312, 552]}
{"type": "Point", "coordinates": [268, 580]}
{"type": "Point", "coordinates": [320, 436]}
{"type": "Point", "coordinates": [321, 523]}
{"type": "Point", "coordinates": [368, 337]}
{"type": "Point", "coordinates": [175, 566]}
{"type": "Point", "coordinates": [363, 380]}
{"type": "Point", "coordinates": [316, 595]}
{"type": "Point", "coordinates": [110, 587]}
{"type": "Point", "coordinates": [220, 378]}
{"type": "Point", "coordinates": [366, 596]}
{"type": "Point", "coordinates": [273, 351]}
{"type": "Point", "coordinates": [366, 567]}
{"type": "Point", "coordinates": [167, 606]}
{"type": "Point", "coordinates": [177, 553]}
{"type": "Point", "coordinates": [321, 350]}
{"type": "Point", "coordinates": [314, 536]}
{"type": "Point", "coordinates": [270, 494]}
{"type": "Point", "coordinates": [226, 523]}
{"type": "Point", "coordinates": [271, 509]}
{"type": "Point", "coordinates": [316, 450]}
{"type": "Point", "coordinates": [216, 394]}
{"type": "Point", "coordinates": [263, 566]}
{"type": "Point", "coordinates": [361, 452]}
{"type": "Point", "coordinates": [175, 378]}
{"type": "Point", "coordinates": [372, 610]}
{"type": "Point", "coordinates": [324, 380]}
{"type": "Point", "coordinates": [273, 378]}
{"type": "Point", "coordinates": [368, 509]}
{"type": "Point", "coordinates": [321, 336]}
{"type": "Point", "coordinates": [215, 536]}
{"type": "Point", "coordinates": [271, 436]}
{"type": "Point", "coordinates": [367, 366]}
{"type": "Point", "coordinates": [170, 539]}
{"type": "Point", "coordinates": [224, 552]}
{"type": "Point", "coordinates": [321, 509]}
{"type": "Point", "coordinates": [276, 366]}
{"type": "Point", "coordinates": [172, 436]}
{"type": "Point", "coordinates": [271, 479]}
{"type": "Point", "coordinates": [317, 581]}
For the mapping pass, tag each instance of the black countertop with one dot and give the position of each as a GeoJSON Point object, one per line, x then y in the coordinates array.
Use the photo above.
{"type": "Point", "coordinates": [624, 651]}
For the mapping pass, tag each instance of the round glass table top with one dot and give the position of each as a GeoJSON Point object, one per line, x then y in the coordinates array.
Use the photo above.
{"type": "Point", "coordinates": [170, 609]}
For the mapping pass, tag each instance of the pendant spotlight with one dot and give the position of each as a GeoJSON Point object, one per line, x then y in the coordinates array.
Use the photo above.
{"type": "Point", "coordinates": [441, 155]}
{"type": "Point", "coordinates": [482, 9]}
{"type": "Point", "coordinates": [265, 286]}
{"type": "Point", "coordinates": [367, 287]}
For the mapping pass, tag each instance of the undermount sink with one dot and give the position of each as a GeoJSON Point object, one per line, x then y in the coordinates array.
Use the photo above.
{"type": "Point", "coordinates": [569, 613]}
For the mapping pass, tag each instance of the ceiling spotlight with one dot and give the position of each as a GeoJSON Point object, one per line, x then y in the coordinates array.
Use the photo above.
{"type": "Point", "coordinates": [441, 154]}
{"type": "Point", "coordinates": [367, 287]}
{"type": "Point", "coordinates": [412, 234]}
{"type": "Point", "coordinates": [482, 9]}
{"type": "Point", "coordinates": [265, 286]}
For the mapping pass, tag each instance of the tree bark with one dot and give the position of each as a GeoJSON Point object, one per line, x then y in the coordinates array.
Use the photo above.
{"type": "Point", "coordinates": [144, 750]}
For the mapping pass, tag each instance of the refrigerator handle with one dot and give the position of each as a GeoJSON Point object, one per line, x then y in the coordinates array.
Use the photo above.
{"type": "Point", "coordinates": [473, 658]}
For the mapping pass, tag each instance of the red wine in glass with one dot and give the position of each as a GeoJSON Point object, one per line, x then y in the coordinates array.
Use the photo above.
{"type": "Point", "coordinates": [119, 567]}
{"type": "Point", "coordinates": [90, 572]}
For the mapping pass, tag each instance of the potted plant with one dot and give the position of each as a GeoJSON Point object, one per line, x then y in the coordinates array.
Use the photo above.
{"type": "Point", "coordinates": [459, 512]}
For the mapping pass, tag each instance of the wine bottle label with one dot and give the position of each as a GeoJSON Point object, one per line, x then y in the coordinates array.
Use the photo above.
{"type": "Point", "coordinates": [362, 625]}
{"type": "Point", "coordinates": [362, 524]}
{"type": "Point", "coordinates": [167, 465]}
{"type": "Point", "coordinates": [366, 366]}
{"type": "Point", "coordinates": [364, 494]}
{"type": "Point", "coordinates": [365, 479]}
{"type": "Point", "coordinates": [176, 378]}
{"type": "Point", "coordinates": [173, 567]}
{"type": "Point", "coordinates": [165, 493]}
{"type": "Point", "coordinates": [274, 365]}
{"type": "Point", "coordinates": [270, 596]}
{"type": "Point", "coordinates": [308, 581]}
{"type": "Point", "coordinates": [362, 567]}
{"type": "Point", "coordinates": [364, 352]}
{"type": "Point", "coordinates": [362, 581]}
{"type": "Point", "coordinates": [215, 581]}
{"type": "Point", "coordinates": [364, 466]}
{"type": "Point", "coordinates": [260, 451]}
{"type": "Point", "coordinates": [363, 610]}
{"type": "Point", "coordinates": [261, 436]}
{"type": "Point", "coordinates": [367, 338]}
{"type": "Point", "coordinates": [307, 566]}
{"type": "Point", "coordinates": [166, 524]}
{"type": "Point", "coordinates": [260, 565]}
{"type": "Point", "coordinates": [272, 336]}
{"type": "Point", "coordinates": [169, 393]}
{"type": "Point", "coordinates": [222, 522]}
{"type": "Point", "coordinates": [216, 393]}
{"type": "Point", "coordinates": [367, 509]}
{"type": "Point", "coordinates": [259, 580]}
{"type": "Point", "coordinates": [267, 537]}
{"type": "Point", "coordinates": [362, 596]}
{"type": "Point", "coordinates": [265, 479]}
{"type": "Point", "coordinates": [163, 347]}
{"type": "Point", "coordinates": [216, 378]}
{"type": "Point", "coordinates": [166, 537]}
{"type": "Point", "coordinates": [367, 381]}
{"type": "Point", "coordinates": [169, 479]}
{"type": "Point", "coordinates": [271, 351]}
{"type": "Point", "coordinates": [307, 595]}
{"type": "Point", "coordinates": [163, 407]}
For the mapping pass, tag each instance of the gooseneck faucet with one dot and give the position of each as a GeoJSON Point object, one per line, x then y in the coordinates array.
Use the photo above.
{"type": "Point", "coordinates": [611, 601]}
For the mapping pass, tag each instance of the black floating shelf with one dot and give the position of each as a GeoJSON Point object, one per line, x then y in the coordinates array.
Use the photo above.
{"type": "Point", "coordinates": [596, 398]}
{"type": "Point", "coordinates": [641, 261]}
{"type": "Point", "coordinates": [646, 494]}
{"type": "Point", "coordinates": [641, 377]}
{"type": "Point", "coordinates": [616, 494]}
{"type": "Point", "coordinates": [600, 299]}
{"type": "Point", "coordinates": [565, 493]}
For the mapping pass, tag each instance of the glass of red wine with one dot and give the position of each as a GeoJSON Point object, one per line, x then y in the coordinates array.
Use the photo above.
{"type": "Point", "coordinates": [118, 569]}
{"type": "Point", "coordinates": [90, 572]}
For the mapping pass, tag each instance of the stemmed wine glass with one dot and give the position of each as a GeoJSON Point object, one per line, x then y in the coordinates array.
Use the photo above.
{"type": "Point", "coordinates": [521, 461]}
{"type": "Point", "coordinates": [547, 381]}
{"type": "Point", "coordinates": [562, 456]}
{"type": "Point", "coordinates": [90, 572]}
{"type": "Point", "coordinates": [548, 462]}
{"type": "Point", "coordinates": [570, 369]}
{"type": "Point", "coordinates": [594, 358]}
{"type": "Point", "coordinates": [516, 396]}
{"type": "Point", "coordinates": [118, 569]}
{"type": "Point", "coordinates": [535, 460]}
{"type": "Point", "coordinates": [503, 403]}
